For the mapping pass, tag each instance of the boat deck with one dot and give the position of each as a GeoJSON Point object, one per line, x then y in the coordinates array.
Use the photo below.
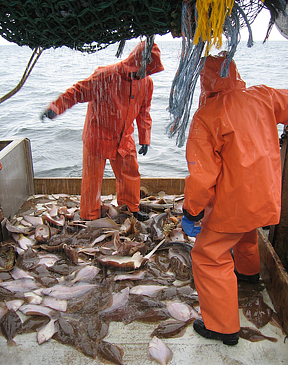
{"type": "Point", "coordinates": [134, 338]}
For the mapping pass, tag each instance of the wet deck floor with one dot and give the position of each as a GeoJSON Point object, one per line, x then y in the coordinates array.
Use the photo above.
{"type": "Point", "coordinates": [134, 338]}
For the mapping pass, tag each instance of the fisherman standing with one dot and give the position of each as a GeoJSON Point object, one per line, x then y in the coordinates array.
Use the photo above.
{"type": "Point", "coordinates": [116, 96]}
{"type": "Point", "coordinates": [234, 184]}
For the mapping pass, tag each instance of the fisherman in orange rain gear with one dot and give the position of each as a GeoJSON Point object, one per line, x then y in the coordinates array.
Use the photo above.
{"type": "Point", "coordinates": [116, 96]}
{"type": "Point", "coordinates": [234, 184]}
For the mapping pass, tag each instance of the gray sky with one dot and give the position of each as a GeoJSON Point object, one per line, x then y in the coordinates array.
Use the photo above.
{"type": "Point", "coordinates": [259, 28]}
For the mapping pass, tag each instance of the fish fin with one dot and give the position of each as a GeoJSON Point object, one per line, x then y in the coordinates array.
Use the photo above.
{"type": "Point", "coordinates": [11, 342]}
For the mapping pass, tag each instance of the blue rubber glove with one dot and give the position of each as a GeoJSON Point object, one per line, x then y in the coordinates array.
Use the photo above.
{"type": "Point", "coordinates": [189, 228]}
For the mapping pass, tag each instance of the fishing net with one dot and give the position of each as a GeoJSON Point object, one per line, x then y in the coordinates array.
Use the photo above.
{"type": "Point", "coordinates": [90, 25]}
{"type": "Point", "coordinates": [213, 19]}
{"type": "Point", "coordinates": [86, 25]}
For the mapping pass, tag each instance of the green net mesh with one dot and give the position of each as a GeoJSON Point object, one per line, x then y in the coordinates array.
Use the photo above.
{"type": "Point", "coordinates": [86, 25]}
{"type": "Point", "coordinates": [90, 25]}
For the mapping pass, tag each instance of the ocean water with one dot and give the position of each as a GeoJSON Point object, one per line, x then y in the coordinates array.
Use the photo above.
{"type": "Point", "coordinates": [57, 145]}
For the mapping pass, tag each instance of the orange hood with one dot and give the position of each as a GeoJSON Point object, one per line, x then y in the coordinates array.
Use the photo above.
{"type": "Point", "coordinates": [133, 62]}
{"type": "Point", "coordinates": [211, 81]}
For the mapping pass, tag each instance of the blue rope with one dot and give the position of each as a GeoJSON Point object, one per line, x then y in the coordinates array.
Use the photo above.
{"type": "Point", "coordinates": [231, 30]}
{"type": "Point", "coordinates": [184, 83]}
{"type": "Point", "coordinates": [191, 64]}
{"type": "Point", "coordinates": [121, 47]}
{"type": "Point", "coordinates": [146, 55]}
{"type": "Point", "coordinates": [244, 16]}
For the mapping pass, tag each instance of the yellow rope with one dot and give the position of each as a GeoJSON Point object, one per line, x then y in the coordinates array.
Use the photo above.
{"type": "Point", "coordinates": [211, 16]}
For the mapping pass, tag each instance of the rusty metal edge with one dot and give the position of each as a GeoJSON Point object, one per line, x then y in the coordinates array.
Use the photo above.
{"type": "Point", "coordinates": [275, 277]}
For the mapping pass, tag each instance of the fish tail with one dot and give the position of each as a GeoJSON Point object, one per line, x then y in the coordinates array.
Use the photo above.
{"type": "Point", "coordinates": [11, 342]}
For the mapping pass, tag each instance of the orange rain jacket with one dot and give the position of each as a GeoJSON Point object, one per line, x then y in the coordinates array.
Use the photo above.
{"type": "Point", "coordinates": [233, 152]}
{"type": "Point", "coordinates": [114, 101]}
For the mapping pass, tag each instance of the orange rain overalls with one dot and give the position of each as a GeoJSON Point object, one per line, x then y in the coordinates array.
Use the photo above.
{"type": "Point", "coordinates": [234, 167]}
{"type": "Point", "coordinates": [114, 101]}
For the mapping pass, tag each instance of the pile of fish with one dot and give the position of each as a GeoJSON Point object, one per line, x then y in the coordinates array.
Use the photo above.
{"type": "Point", "coordinates": [68, 279]}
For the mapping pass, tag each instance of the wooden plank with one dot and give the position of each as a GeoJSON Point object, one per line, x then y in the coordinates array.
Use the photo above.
{"type": "Point", "coordinates": [168, 185]}
{"type": "Point", "coordinates": [279, 233]}
{"type": "Point", "coordinates": [72, 185]}
{"type": "Point", "coordinates": [57, 185]}
{"type": "Point", "coordinates": [275, 278]}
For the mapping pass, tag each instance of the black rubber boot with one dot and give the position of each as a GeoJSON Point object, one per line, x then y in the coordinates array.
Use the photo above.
{"type": "Point", "coordinates": [251, 279]}
{"type": "Point", "coordinates": [230, 339]}
{"type": "Point", "coordinates": [141, 216]}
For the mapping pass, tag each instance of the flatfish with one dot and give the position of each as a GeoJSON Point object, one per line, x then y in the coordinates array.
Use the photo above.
{"type": "Point", "coordinates": [159, 351]}
{"type": "Point", "coordinates": [42, 233]}
{"type": "Point", "coordinates": [258, 312]}
{"type": "Point", "coordinates": [28, 260]}
{"type": "Point", "coordinates": [253, 335]}
{"type": "Point", "coordinates": [20, 285]}
{"type": "Point", "coordinates": [84, 344]}
{"type": "Point", "coordinates": [181, 311]}
{"type": "Point", "coordinates": [68, 292]}
{"type": "Point", "coordinates": [110, 352]}
{"type": "Point", "coordinates": [46, 332]}
{"type": "Point", "coordinates": [8, 258]}
{"type": "Point", "coordinates": [66, 331]}
{"type": "Point", "coordinates": [170, 329]}
{"type": "Point", "coordinates": [10, 325]}
{"type": "Point", "coordinates": [32, 323]}
{"type": "Point", "coordinates": [97, 329]}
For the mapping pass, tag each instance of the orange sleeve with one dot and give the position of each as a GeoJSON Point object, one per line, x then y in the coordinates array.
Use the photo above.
{"type": "Point", "coordinates": [280, 98]}
{"type": "Point", "coordinates": [204, 165]}
{"type": "Point", "coordinates": [143, 119]}
{"type": "Point", "coordinates": [81, 92]}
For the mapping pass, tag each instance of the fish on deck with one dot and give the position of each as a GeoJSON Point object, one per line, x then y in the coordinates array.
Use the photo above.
{"type": "Point", "coordinates": [75, 301]}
